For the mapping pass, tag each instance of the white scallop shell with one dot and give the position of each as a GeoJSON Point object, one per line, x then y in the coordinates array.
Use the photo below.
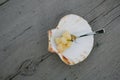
{"type": "Point", "coordinates": [81, 48]}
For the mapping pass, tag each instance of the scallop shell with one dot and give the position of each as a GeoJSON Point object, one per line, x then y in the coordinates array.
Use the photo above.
{"type": "Point", "coordinates": [81, 48]}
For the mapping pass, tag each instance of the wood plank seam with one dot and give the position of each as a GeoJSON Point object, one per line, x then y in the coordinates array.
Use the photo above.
{"type": "Point", "coordinates": [102, 14]}
{"type": "Point", "coordinates": [6, 1]}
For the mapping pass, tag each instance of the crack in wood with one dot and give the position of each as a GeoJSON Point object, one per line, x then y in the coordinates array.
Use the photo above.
{"type": "Point", "coordinates": [111, 10]}
{"type": "Point", "coordinates": [28, 67]}
{"type": "Point", "coordinates": [23, 65]}
{"type": "Point", "coordinates": [42, 58]}
{"type": "Point", "coordinates": [95, 7]}
{"type": "Point", "coordinates": [12, 76]}
{"type": "Point", "coordinates": [104, 14]}
{"type": "Point", "coordinates": [21, 33]}
{"type": "Point", "coordinates": [6, 47]}
{"type": "Point", "coordinates": [31, 68]}
{"type": "Point", "coordinates": [95, 18]}
{"type": "Point", "coordinates": [69, 11]}
{"type": "Point", "coordinates": [4, 2]}
{"type": "Point", "coordinates": [111, 21]}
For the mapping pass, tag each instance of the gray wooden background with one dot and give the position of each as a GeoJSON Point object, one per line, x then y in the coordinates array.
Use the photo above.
{"type": "Point", "coordinates": [23, 40]}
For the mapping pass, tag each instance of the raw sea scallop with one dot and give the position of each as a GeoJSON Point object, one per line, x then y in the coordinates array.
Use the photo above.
{"type": "Point", "coordinates": [71, 52]}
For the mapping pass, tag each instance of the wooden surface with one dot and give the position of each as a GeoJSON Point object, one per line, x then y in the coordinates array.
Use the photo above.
{"type": "Point", "coordinates": [23, 40]}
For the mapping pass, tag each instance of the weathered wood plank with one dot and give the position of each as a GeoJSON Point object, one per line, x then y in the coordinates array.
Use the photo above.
{"type": "Point", "coordinates": [17, 33]}
{"type": "Point", "coordinates": [23, 35]}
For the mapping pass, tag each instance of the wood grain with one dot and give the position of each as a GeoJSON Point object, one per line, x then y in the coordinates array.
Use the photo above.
{"type": "Point", "coordinates": [23, 40]}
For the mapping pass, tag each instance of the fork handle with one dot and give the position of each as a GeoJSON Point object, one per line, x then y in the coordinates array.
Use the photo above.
{"type": "Point", "coordinates": [93, 33]}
